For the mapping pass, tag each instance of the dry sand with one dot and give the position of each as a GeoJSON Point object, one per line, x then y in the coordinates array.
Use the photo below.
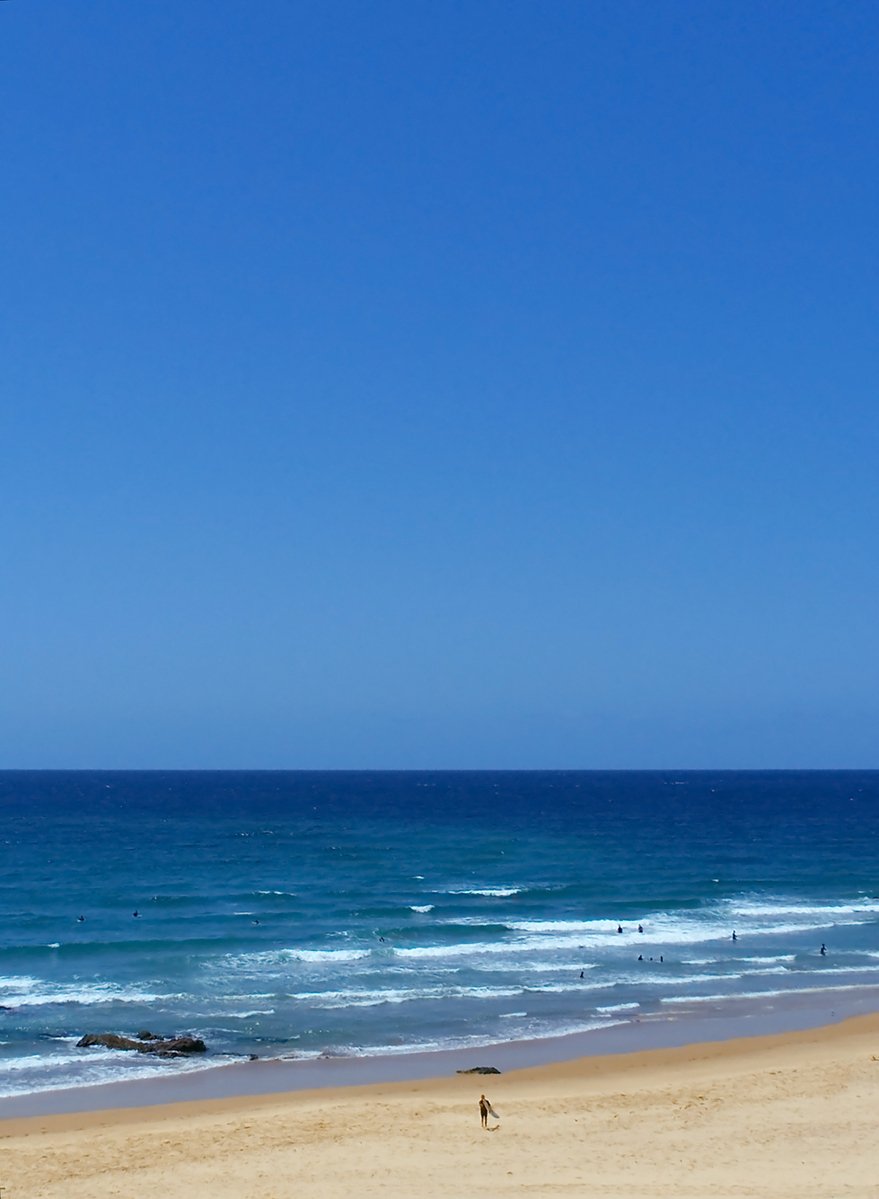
{"type": "Point", "coordinates": [788, 1116]}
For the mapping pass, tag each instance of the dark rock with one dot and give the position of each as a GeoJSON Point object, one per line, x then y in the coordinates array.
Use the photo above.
{"type": "Point", "coordinates": [480, 1070]}
{"type": "Point", "coordinates": [177, 1046]}
{"type": "Point", "coordinates": [110, 1040]}
{"type": "Point", "coordinates": [171, 1047]}
{"type": "Point", "coordinates": [148, 1036]}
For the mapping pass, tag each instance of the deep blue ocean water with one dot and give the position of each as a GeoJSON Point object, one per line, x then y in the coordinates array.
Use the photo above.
{"type": "Point", "coordinates": [299, 914]}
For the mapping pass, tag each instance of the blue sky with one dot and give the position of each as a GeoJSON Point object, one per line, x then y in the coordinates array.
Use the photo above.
{"type": "Point", "coordinates": [451, 385]}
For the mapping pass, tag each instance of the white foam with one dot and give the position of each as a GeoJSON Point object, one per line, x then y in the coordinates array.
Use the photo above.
{"type": "Point", "coordinates": [327, 955]}
{"type": "Point", "coordinates": [265, 958]}
{"type": "Point", "coordinates": [47, 1061]}
{"type": "Point", "coordinates": [449, 951]}
{"type": "Point", "coordinates": [781, 957]}
{"type": "Point", "coordinates": [671, 980]}
{"type": "Point", "coordinates": [512, 948]}
{"type": "Point", "coordinates": [19, 982]}
{"type": "Point", "coordinates": [779, 969]}
{"type": "Point", "coordinates": [84, 994]}
{"type": "Point", "coordinates": [562, 926]}
{"type": "Point", "coordinates": [374, 998]}
{"type": "Point", "coordinates": [518, 967]}
{"type": "Point", "coordinates": [488, 892]}
{"type": "Point", "coordinates": [853, 969]}
{"type": "Point", "coordinates": [777, 994]}
{"type": "Point", "coordinates": [821, 911]}
{"type": "Point", "coordinates": [421, 907]}
{"type": "Point", "coordinates": [90, 1067]}
{"type": "Point", "coordinates": [473, 922]}
{"type": "Point", "coordinates": [601, 935]}
{"type": "Point", "coordinates": [566, 988]}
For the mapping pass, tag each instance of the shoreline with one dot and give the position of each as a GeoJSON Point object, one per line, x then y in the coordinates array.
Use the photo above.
{"type": "Point", "coordinates": [777, 1116]}
{"type": "Point", "coordinates": [734, 1022]}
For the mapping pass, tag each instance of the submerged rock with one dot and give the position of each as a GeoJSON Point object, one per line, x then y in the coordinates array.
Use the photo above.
{"type": "Point", "coordinates": [110, 1040]}
{"type": "Point", "coordinates": [480, 1070]}
{"type": "Point", "coordinates": [169, 1047]}
{"type": "Point", "coordinates": [177, 1046]}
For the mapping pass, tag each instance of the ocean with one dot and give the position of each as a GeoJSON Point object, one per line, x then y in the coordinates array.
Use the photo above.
{"type": "Point", "coordinates": [301, 915]}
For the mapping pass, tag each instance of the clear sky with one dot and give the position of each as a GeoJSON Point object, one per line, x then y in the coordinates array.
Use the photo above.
{"type": "Point", "coordinates": [449, 384]}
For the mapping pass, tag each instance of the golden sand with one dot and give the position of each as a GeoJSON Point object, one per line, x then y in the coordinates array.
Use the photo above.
{"type": "Point", "coordinates": [790, 1116]}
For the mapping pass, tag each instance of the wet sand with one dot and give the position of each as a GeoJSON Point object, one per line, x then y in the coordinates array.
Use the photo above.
{"type": "Point", "coordinates": [785, 1115]}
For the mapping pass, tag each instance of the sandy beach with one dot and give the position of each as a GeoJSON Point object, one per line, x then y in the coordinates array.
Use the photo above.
{"type": "Point", "coordinates": [782, 1116]}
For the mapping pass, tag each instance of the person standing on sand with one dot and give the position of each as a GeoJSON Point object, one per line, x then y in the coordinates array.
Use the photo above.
{"type": "Point", "coordinates": [484, 1105]}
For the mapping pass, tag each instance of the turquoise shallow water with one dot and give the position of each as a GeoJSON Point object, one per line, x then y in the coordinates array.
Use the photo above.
{"type": "Point", "coordinates": [300, 914]}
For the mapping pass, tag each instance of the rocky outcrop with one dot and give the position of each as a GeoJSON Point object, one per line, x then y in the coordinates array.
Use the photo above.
{"type": "Point", "coordinates": [480, 1070]}
{"type": "Point", "coordinates": [162, 1047]}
